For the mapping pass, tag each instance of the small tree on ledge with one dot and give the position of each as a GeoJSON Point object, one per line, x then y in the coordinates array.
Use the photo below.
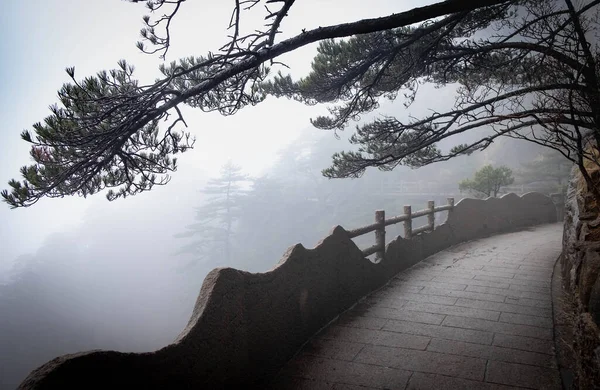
{"type": "Point", "coordinates": [213, 230]}
{"type": "Point", "coordinates": [487, 181]}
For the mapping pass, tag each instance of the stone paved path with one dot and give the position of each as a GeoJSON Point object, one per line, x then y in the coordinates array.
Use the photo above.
{"type": "Point", "coordinates": [475, 316]}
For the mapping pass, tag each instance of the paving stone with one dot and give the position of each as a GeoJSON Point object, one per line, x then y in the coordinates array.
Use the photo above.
{"type": "Point", "coordinates": [345, 386]}
{"type": "Point", "coordinates": [390, 302]}
{"type": "Point", "coordinates": [423, 275]}
{"type": "Point", "coordinates": [453, 310]}
{"type": "Point", "coordinates": [293, 383]}
{"type": "Point", "coordinates": [423, 381]}
{"type": "Point", "coordinates": [497, 273]}
{"type": "Point", "coordinates": [406, 297]}
{"type": "Point", "coordinates": [502, 267]}
{"type": "Point", "coordinates": [392, 291]}
{"type": "Point", "coordinates": [515, 281]}
{"type": "Point", "coordinates": [375, 337]}
{"type": "Point", "coordinates": [510, 292]}
{"type": "Point", "coordinates": [530, 288]}
{"type": "Point", "coordinates": [449, 263]}
{"type": "Point", "coordinates": [530, 302]}
{"type": "Point", "coordinates": [503, 258]}
{"type": "Point", "coordinates": [352, 373]}
{"type": "Point", "coordinates": [438, 258]}
{"type": "Point", "coordinates": [511, 253]}
{"type": "Point", "coordinates": [497, 327]}
{"type": "Point", "coordinates": [524, 343]}
{"type": "Point", "coordinates": [436, 284]}
{"type": "Point", "coordinates": [428, 262]}
{"type": "Point", "coordinates": [521, 375]}
{"type": "Point", "coordinates": [334, 349]}
{"type": "Point", "coordinates": [534, 276]}
{"type": "Point", "coordinates": [420, 276]}
{"type": "Point", "coordinates": [529, 267]}
{"type": "Point", "coordinates": [443, 332]}
{"type": "Point", "coordinates": [470, 263]}
{"type": "Point", "coordinates": [347, 319]}
{"type": "Point", "coordinates": [405, 314]}
{"type": "Point", "coordinates": [543, 254]}
{"type": "Point", "coordinates": [470, 282]}
{"type": "Point", "coordinates": [505, 307]}
{"type": "Point", "coordinates": [544, 272]}
{"type": "Point", "coordinates": [467, 265]}
{"type": "Point", "coordinates": [423, 361]}
{"type": "Point", "coordinates": [455, 273]}
{"type": "Point", "coordinates": [458, 248]}
{"type": "Point", "coordinates": [522, 319]}
{"type": "Point", "coordinates": [524, 264]}
{"type": "Point", "coordinates": [491, 352]}
{"type": "Point", "coordinates": [529, 276]}
{"type": "Point", "coordinates": [464, 294]}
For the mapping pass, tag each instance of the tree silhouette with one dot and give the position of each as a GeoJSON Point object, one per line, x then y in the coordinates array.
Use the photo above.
{"type": "Point", "coordinates": [215, 220]}
{"type": "Point", "coordinates": [108, 131]}
{"type": "Point", "coordinates": [526, 69]}
{"type": "Point", "coordinates": [487, 181]}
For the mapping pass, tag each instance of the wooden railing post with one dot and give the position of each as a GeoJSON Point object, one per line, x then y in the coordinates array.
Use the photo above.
{"type": "Point", "coordinates": [380, 234]}
{"type": "Point", "coordinates": [431, 217]}
{"type": "Point", "coordinates": [407, 223]}
{"type": "Point", "coordinates": [380, 223]}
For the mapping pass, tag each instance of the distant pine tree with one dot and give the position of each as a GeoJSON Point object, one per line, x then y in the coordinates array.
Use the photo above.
{"type": "Point", "coordinates": [215, 220]}
{"type": "Point", "coordinates": [487, 181]}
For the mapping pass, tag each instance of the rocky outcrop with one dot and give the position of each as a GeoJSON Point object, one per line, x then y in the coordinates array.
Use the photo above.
{"type": "Point", "coordinates": [581, 279]}
{"type": "Point", "coordinates": [245, 326]}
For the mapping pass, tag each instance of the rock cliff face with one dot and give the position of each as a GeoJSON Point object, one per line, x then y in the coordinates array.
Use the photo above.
{"type": "Point", "coordinates": [581, 278]}
{"type": "Point", "coordinates": [245, 326]}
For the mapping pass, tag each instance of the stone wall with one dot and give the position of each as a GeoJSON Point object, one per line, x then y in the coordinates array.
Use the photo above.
{"type": "Point", "coordinates": [245, 326]}
{"type": "Point", "coordinates": [581, 279]}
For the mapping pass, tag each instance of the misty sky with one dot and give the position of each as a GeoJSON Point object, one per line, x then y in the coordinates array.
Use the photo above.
{"type": "Point", "coordinates": [41, 38]}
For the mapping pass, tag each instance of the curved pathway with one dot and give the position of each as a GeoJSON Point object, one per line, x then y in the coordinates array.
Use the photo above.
{"type": "Point", "coordinates": [474, 316]}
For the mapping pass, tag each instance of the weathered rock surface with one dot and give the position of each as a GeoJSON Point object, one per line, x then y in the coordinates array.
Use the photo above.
{"type": "Point", "coordinates": [581, 275]}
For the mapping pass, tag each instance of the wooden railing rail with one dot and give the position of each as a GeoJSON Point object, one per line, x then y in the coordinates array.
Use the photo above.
{"type": "Point", "coordinates": [380, 223]}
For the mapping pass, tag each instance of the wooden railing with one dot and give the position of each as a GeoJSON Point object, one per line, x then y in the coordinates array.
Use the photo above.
{"type": "Point", "coordinates": [380, 223]}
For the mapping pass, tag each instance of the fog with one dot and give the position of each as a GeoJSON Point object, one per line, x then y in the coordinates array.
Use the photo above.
{"type": "Point", "coordinates": [79, 274]}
